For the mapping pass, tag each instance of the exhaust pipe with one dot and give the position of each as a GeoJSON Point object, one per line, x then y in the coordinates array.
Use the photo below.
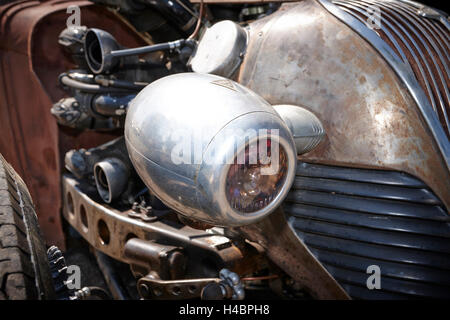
{"type": "Point", "coordinates": [111, 178]}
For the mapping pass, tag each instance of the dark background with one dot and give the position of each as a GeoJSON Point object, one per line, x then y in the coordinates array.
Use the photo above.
{"type": "Point", "coordinates": [438, 4]}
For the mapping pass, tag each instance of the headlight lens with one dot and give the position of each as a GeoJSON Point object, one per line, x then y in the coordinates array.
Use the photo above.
{"type": "Point", "coordinates": [248, 186]}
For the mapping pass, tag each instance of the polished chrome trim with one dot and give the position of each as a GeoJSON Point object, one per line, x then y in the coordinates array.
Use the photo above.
{"type": "Point", "coordinates": [439, 35]}
{"type": "Point", "coordinates": [388, 34]}
{"type": "Point", "coordinates": [351, 4]}
{"type": "Point", "coordinates": [421, 54]}
{"type": "Point", "coordinates": [403, 72]}
{"type": "Point", "coordinates": [428, 12]}
{"type": "Point", "coordinates": [399, 16]}
{"type": "Point", "coordinates": [417, 22]}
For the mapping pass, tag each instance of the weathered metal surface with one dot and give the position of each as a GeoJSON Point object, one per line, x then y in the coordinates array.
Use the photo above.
{"type": "Point", "coordinates": [421, 43]}
{"type": "Point", "coordinates": [303, 55]}
{"type": "Point", "coordinates": [402, 69]}
{"type": "Point", "coordinates": [30, 62]}
{"type": "Point", "coordinates": [284, 248]}
{"type": "Point", "coordinates": [156, 289]}
{"type": "Point", "coordinates": [108, 230]}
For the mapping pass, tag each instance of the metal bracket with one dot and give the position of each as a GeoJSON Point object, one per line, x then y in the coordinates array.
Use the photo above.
{"type": "Point", "coordinates": [173, 289]}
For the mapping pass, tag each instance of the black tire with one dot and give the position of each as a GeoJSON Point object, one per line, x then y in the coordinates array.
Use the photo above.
{"type": "Point", "coordinates": [24, 269]}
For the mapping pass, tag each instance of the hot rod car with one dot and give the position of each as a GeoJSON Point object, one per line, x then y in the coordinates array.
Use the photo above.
{"type": "Point", "coordinates": [219, 149]}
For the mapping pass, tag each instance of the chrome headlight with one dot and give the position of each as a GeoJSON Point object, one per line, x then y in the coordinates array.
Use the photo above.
{"type": "Point", "coordinates": [210, 148]}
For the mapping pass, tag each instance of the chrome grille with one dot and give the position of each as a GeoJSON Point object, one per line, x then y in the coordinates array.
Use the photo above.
{"type": "Point", "coordinates": [422, 43]}
{"type": "Point", "coordinates": [352, 218]}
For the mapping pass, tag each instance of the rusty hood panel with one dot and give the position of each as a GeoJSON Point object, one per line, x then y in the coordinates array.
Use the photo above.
{"type": "Point", "coordinates": [370, 119]}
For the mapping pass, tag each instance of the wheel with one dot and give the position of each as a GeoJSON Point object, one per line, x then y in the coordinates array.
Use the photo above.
{"type": "Point", "coordinates": [24, 269]}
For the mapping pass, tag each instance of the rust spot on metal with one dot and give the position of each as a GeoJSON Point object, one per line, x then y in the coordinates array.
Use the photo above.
{"type": "Point", "coordinates": [291, 255]}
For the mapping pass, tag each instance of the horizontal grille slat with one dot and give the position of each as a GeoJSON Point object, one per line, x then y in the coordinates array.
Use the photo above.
{"type": "Point", "coordinates": [349, 222]}
{"type": "Point", "coordinates": [409, 289]}
{"type": "Point", "coordinates": [422, 41]}
{"type": "Point", "coordinates": [387, 238]}
{"type": "Point", "coordinates": [378, 252]}
{"type": "Point", "coordinates": [305, 169]}
{"type": "Point", "coordinates": [390, 269]}
{"type": "Point", "coordinates": [361, 292]}
{"type": "Point", "coordinates": [357, 219]}
{"type": "Point", "coordinates": [369, 205]}
{"type": "Point", "coordinates": [363, 189]}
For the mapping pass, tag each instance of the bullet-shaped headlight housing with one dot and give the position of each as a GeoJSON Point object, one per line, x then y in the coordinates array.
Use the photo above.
{"type": "Point", "coordinates": [210, 148]}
